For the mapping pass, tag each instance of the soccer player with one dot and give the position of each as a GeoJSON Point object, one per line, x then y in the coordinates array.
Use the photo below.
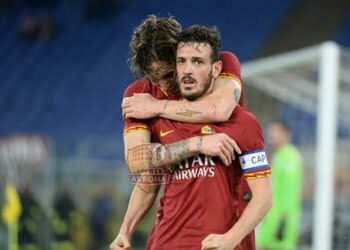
{"type": "Point", "coordinates": [207, 203]}
{"type": "Point", "coordinates": [155, 61]}
{"type": "Point", "coordinates": [153, 48]}
{"type": "Point", "coordinates": [203, 196]}
{"type": "Point", "coordinates": [280, 228]}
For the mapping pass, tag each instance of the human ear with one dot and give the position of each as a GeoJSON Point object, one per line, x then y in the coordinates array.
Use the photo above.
{"type": "Point", "coordinates": [217, 67]}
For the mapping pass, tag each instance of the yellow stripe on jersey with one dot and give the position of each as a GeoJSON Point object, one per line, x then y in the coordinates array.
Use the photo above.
{"type": "Point", "coordinates": [257, 175]}
{"type": "Point", "coordinates": [135, 128]}
{"type": "Point", "coordinates": [164, 92]}
{"type": "Point", "coordinates": [232, 76]}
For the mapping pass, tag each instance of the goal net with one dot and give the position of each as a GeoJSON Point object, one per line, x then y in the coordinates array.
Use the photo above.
{"type": "Point", "coordinates": [309, 89]}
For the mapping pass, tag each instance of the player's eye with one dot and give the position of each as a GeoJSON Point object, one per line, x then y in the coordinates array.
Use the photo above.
{"type": "Point", "coordinates": [198, 61]}
{"type": "Point", "coordinates": [180, 60]}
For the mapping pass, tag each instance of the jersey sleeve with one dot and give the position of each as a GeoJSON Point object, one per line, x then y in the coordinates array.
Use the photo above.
{"type": "Point", "coordinates": [132, 125]}
{"type": "Point", "coordinates": [253, 159]}
{"type": "Point", "coordinates": [231, 67]}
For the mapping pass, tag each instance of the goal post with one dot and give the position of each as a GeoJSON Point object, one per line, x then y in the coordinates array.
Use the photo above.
{"type": "Point", "coordinates": [306, 79]}
{"type": "Point", "coordinates": [326, 146]}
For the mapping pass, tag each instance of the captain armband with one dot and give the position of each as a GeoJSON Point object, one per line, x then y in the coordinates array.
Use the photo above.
{"type": "Point", "coordinates": [254, 164]}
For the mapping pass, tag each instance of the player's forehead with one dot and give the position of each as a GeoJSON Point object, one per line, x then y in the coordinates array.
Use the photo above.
{"type": "Point", "coordinates": [193, 49]}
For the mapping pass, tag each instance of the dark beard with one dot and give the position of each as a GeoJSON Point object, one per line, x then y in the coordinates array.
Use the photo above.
{"type": "Point", "coordinates": [207, 85]}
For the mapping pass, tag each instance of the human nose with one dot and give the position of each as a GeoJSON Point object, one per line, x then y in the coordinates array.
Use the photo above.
{"type": "Point", "coordinates": [188, 69]}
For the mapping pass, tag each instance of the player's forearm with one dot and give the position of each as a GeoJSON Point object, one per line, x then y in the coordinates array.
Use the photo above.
{"type": "Point", "coordinates": [207, 110]}
{"type": "Point", "coordinates": [215, 107]}
{"type": "Point", "coordinates": [191, 112]}
{"type": "Point", "coordinates": [251, 216]}
{"type": "Point", "coordinates": [150, 156]}
{"type": "Point", "coordinates": [139, 204]}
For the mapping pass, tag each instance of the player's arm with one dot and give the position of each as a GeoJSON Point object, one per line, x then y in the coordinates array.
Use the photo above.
{"type": "Point", "coordinates": [143, 195]}
{"type": "Point", "coordinates": [141, 155]}
{"type": "Point", "coordinates": [258, 206]}
{"type": "Point", "coordinates": [148, 156]}
{"type": "Point", "coordinates": [257, 173]}
{"type": "Point", "coordinates": [215, 107]}
{"type": "Point", "coordinates": [140, 203]}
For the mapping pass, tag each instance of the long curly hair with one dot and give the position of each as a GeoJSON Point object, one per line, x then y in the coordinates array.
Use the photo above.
{"type": "Point", "coordinates": [154, 41]}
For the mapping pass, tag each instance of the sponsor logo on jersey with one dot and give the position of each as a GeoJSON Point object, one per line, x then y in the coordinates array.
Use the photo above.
{"type": "Point", "coordinates": [162, 134]}
{"type": "Point", "coordinates": [195, 167]}
{"type": "Point", "coordinates": [253, 160]}
{"type": "Point", "coordinates": [206, 130]}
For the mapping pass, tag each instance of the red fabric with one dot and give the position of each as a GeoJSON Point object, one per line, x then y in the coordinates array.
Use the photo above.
{"type": "Point", "coordinates": [203, 196]}
{"type": "Point", "coordinates": [232, 66]}
{"type": "Point", "coordinates": [141, 86]}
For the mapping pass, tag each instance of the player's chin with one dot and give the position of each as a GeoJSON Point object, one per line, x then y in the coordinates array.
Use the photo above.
{"type": "Point", "coordinates": [190, 96]}
{"type": "Point", "coordinates": [187, 87]}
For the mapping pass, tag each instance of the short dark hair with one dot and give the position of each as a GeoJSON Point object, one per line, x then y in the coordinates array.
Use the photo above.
{"type": "Point", "coordinates": [203, 34]}
{"type": "Point", "coordinates": [154, 40]}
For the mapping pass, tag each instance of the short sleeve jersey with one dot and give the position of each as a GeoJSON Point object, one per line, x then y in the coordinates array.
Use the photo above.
{"type": "Point", "coordinates": [231, 68]}
{"type": "Point", "coordinates": [202, 195]}
{"type": "Point", "coordinates": [141, 86]}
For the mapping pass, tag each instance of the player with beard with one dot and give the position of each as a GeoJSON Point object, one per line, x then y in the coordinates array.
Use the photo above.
{"type": "Point", "coordinates": [153, 56]}
{"type": "Point", "coordinates": [207, 203]}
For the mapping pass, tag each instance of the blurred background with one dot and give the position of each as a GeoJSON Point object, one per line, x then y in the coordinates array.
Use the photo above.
{"type": "Point", "coordinates": [63, 71]}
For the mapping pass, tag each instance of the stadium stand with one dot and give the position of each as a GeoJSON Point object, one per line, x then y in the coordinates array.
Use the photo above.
{"type": "Point", "coordinates": [70, 89]}
{"type": "Point", "coordinates": [72, 86]}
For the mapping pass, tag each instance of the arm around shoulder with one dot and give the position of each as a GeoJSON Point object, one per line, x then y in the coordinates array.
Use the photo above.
{"type": "Point", "coordinates": [214, 107]}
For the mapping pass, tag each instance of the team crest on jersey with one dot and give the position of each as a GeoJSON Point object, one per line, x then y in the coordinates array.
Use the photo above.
{"type": "Point", "coordinates": [206, 130]}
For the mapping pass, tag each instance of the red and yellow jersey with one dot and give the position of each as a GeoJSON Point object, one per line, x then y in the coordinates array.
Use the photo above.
{"type": "Point", "coordinates": [231, 68]}
{"type": "Point", "coordinates": [203, 196]}
{"type": "Point", "coordinates": [225, 201]}
{"type": "Point", "coordinates": [143, 85]}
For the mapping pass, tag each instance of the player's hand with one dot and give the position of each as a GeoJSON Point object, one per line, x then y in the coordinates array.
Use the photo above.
{"type": "Point", "coordinates": [220, 145]}
{"type": "Point", "coordinates": [141, 106]}
{"type": "Point", "coordinates": [217, 242]}
{"type": "Point", "coordinates": [122, 242]}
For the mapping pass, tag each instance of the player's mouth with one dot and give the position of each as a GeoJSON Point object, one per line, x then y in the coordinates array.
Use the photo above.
{"type": "Point", "coordinates": [188, 80]}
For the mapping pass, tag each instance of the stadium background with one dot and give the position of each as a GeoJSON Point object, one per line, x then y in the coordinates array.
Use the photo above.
{"type": "Point", "coordinates": [60, 117]}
